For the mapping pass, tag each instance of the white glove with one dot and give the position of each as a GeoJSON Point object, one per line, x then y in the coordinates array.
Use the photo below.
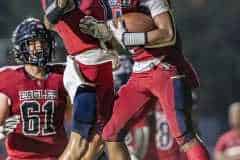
{"type": "Point", "coordinates": [9, 125]}
{"type": "Point", "coordinates": [97, 29]}
{"type": "Point", "coordinates": [118, 30]}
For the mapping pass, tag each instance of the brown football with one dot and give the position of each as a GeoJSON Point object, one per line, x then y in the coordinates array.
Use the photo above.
{"type": "Point", "coordinates": [137, 22]}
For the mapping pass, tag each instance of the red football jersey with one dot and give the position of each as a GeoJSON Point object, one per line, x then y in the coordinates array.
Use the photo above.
{"type": "Point", "coordinates": [229, 143]}
{"type": "Point", "coordinates": [120, 7]}
{"type": "Point", "coordinates": [41, 105]}
{"type": "Point", "coordinates": [173, 54]}
{"type": "Point", "coordinates": [68, 27]}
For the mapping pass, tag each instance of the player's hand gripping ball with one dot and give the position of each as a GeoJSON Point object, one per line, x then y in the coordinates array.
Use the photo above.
{"type": "Point", "coordinates": [136, 22]}
{"type": "Point", "coordinates": [130, 22]}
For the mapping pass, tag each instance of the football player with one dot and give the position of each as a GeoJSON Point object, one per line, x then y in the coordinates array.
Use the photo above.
{"type": "Point", "coordinates": [159, 71]}
{"type": "Point", "coordinates": [139, 139]}
{"type": "Point", "coordinates": [35, 92]}
{"type": "Point", "coordinates": [150, 137]}
{"type": "Point", "coordinates": [166, 146]}
{"type": "Point", "coordinates": [88, 74]}
{"type": "Point", "coordinates": [228, 145]}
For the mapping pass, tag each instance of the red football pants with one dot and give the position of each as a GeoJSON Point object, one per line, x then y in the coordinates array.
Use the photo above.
{"type": "Point", "coordinates": [163, 83]}
{"type": "Point", "coordinates": [175, 156]}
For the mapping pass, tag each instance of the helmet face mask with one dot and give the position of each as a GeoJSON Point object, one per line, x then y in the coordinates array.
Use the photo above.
{"type": "Point", "coordinates": [36, 52]}
{"type": "Point", "coordinates": [32, 43]}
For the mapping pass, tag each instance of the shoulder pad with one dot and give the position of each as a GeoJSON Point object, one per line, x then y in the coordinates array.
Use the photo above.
{"type": "Point", "coordinates": [10, 68]}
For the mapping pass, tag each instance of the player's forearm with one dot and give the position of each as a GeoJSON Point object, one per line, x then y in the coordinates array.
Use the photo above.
{"type": "Point", "coordinates": [160, 35]}
{"type": "Point", "coordinates": [47, 24]}
{"type": "Point", "coordinates": [164, 31]}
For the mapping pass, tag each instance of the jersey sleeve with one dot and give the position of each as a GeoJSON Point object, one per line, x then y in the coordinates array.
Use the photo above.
{"type": "Point", "coordinates": [4, 85]}
{"type": "Point", "coordinates": [155, 6]}
{"type": "Point", "coordinates": [9, 78]}
{"type": "Point", "coordinates": [220, 146]}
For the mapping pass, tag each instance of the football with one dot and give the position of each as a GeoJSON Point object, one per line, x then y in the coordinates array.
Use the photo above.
{"type": "Point", "coordinates": [136, 22]}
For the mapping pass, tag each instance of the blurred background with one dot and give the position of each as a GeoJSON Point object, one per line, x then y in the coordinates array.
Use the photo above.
{"type": "Point", "coordinates": [209, 30]}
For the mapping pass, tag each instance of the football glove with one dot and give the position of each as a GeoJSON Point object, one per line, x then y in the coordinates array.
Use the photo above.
{"type": "Point", "coordinates": [55, 9]}
{"type": "Point", "coordinates": [9, 125]}
{"type": "Point", "coordinates": [62, 3]}
{"type": "Point", "coordinates": [95, 28]}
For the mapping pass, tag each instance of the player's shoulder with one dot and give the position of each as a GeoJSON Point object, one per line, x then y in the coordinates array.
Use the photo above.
{"type": "Point", "coordinates": [228, 135]}
{"type": "Point", "coordinates": [57, 68]}
{"type": "Point", "coordinates": [10, 70]}
{"type": "Point", "coordinates": [9, 76]}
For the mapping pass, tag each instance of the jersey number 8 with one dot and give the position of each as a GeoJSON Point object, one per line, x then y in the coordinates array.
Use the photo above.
{"type": "Point", "coordinates": [164, 140]}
